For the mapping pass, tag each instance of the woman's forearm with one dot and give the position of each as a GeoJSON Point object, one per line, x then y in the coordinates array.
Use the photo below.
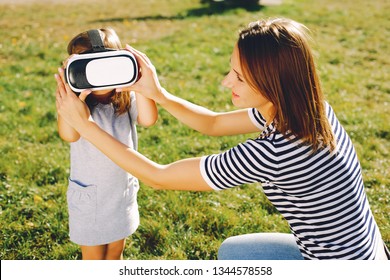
{"type": "Point", "coordinates": [204, 120]}
{"type": "Point", "coordinates": [128, 159]}
{"type": "Point", "coordinates": [192, 115]}
{"type": "Point", "coordinates": [179, 175]}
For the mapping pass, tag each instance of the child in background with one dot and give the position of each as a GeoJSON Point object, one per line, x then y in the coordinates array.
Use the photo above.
{"type": "Point", "coordinates": [102, 197]}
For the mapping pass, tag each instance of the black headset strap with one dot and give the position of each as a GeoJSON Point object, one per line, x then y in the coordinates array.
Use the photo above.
{"type": "Point", "coordinates": [96, 40]}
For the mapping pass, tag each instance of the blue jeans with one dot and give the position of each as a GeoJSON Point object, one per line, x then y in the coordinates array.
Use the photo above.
{"type": "Point", "coordinates": [260, 246]}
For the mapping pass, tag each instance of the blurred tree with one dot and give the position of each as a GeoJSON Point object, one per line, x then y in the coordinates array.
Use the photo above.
{"type": "Point", "coordinates": [227, 4]}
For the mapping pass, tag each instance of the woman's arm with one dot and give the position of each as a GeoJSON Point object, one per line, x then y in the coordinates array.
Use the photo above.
{"type": "Point", "coordinates": [194, 116]}
{"type": "Point", "coordinates": [179, 175]}
{"type": "Point", "coordinates": [205, 120]}
{"type": "Point", "coordinates": [147, 111]}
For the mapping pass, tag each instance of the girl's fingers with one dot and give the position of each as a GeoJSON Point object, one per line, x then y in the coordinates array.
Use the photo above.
{"type": "Point", "coordinates": [83, 95]}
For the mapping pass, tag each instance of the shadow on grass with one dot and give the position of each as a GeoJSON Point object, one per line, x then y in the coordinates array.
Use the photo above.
{"type": "Point", "coordinates": [192, 13]}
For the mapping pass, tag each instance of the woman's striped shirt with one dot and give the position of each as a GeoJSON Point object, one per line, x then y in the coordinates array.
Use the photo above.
{"type": "Point", "coordinates": [320, 194]}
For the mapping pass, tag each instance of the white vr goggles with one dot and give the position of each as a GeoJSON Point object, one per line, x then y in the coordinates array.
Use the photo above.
{"type": "Point", "coordinates": [101, 68]}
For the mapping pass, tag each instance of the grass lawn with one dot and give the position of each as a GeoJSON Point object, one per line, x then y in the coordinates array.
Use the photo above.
{"type": "Point", "coordinates": [190, 46]}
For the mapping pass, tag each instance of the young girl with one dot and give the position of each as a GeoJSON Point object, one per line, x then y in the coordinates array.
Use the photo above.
{"type": "Point", "coordinates": [102, 197]}
{"type": "Point", "coordinates": [303, 157]}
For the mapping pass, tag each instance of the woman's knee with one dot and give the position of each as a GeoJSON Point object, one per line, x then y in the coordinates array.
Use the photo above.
{"type": "Point", "coordinates": [260, 246]}
{"type": "Point", "coordinates": [226, 250]}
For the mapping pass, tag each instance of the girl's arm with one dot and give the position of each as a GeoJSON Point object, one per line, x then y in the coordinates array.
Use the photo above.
{"type": "Point", "coordinates": [66, 132]}
{"type": "Point", "coordinates": [147, 111]}
{"type": "Point", "coordinates": [194, 116]}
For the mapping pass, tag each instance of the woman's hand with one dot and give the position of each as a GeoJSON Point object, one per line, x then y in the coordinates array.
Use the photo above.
{"type": "Point", "coordinates": [70, 107]}
{"type": "Point", "coordinates": [148, 84]}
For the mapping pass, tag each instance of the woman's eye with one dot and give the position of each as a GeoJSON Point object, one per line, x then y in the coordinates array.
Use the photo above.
{"type": "Point", "coordinates": [238, 78]}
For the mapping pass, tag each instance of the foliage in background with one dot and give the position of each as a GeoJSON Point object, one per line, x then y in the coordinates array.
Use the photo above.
{"type": "Point", "coordinates": [190, 45]}
{"type": "Point", "coordinates": [224, 4]}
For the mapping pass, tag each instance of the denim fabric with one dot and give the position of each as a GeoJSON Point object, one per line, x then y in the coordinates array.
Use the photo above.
{"type": "Point", "coordinates": [260, 246]}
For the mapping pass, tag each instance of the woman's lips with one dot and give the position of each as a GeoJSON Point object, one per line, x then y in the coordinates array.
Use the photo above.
{"type": "Point", "coordinates": [235, 95]}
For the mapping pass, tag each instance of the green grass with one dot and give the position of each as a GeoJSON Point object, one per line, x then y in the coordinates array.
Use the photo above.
{"type": "Point", "coordinates": [190, 46]}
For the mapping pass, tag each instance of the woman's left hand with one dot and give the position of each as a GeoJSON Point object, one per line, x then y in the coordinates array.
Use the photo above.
{"type": "Point", "coordinates": [70, 107]}
{"type": "Point", "coordinates": [148, 83]}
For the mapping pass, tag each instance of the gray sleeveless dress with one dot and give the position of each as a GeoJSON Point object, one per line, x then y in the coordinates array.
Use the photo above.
{"type": "Point", "coordinates": [102, 198]}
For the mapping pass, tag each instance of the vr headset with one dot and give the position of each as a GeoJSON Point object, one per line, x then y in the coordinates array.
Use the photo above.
{"type": "Point", "coordinates": [101, 68]}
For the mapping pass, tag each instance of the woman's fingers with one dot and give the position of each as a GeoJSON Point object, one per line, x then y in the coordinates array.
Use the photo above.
{"type": "Point", "coordinates": [65, 62]}
{"type": "Point", "coordinates": [147, 84]}
{"type": "Point", "coordinates": [72, 109]}
{"type": "Point", "coordinates": [64, 88]}
{"type": "Point", "coordinates": [65, 84]}
{"type": "Point", "coordinates": [58, 99]}
{"type": "Point", "coordinates": [63, 91]}
{"type": "Point", "coordinates": [60, 85]}
{"type": "Point", "coordinates": [142, 59]}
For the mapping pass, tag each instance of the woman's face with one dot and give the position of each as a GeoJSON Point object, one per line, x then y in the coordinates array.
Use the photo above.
{"type": "Point", "coordinates": [243, 96]}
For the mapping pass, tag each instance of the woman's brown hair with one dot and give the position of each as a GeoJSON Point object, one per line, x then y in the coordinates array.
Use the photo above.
{"type": "Point", "coordinates": [278, 63]}
{"type": "Point", "coordinates": [81, 43]}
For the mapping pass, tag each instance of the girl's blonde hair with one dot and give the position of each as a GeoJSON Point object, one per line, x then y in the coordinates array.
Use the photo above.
{"type": "Point", "coordinates": [278, 63]}
{"type": "Point", "coordinates": [81, 43]}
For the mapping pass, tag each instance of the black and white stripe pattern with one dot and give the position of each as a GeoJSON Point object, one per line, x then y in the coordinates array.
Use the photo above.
{"type": "Point", "coordinates": [320, 194]}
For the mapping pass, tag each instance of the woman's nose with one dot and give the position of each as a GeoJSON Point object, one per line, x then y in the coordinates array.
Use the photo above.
{"type": "Point", "coordinates": [226, 82]}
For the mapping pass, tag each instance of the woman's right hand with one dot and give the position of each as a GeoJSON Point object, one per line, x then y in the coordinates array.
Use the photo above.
{"type": "Point", "coordinates": [147, 84]}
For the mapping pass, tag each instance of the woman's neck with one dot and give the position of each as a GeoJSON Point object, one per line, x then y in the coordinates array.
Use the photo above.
{"type": "Point", "coordinates": [268, 112]}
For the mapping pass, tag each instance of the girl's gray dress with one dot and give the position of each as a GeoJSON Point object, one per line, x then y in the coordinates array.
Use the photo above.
{"type": "Point", "coordinates": [102, 197]}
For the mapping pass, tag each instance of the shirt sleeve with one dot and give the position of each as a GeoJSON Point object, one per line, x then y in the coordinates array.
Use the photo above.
{"type": "Point", "coordinates": [249, 162]}
{"type": "Point", "coordinates": [257, 119]}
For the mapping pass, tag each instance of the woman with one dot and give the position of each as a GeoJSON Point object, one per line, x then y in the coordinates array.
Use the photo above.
{"type": "Point", "coordinates": [303, 158]}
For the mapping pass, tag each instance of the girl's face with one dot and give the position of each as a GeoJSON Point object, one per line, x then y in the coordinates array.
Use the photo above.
{"type": "Point", "coordinates": [103, 92]}
{"type": "Point", "coordinates": [103, 96]}
{"type": "Point", "coordinates": [243, 96]}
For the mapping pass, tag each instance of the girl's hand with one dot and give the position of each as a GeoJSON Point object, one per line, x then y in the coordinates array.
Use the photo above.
{"type": "Point", "coordinates": [148, 84]}
{"type": "Point", "coordinates": [70, 107]}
